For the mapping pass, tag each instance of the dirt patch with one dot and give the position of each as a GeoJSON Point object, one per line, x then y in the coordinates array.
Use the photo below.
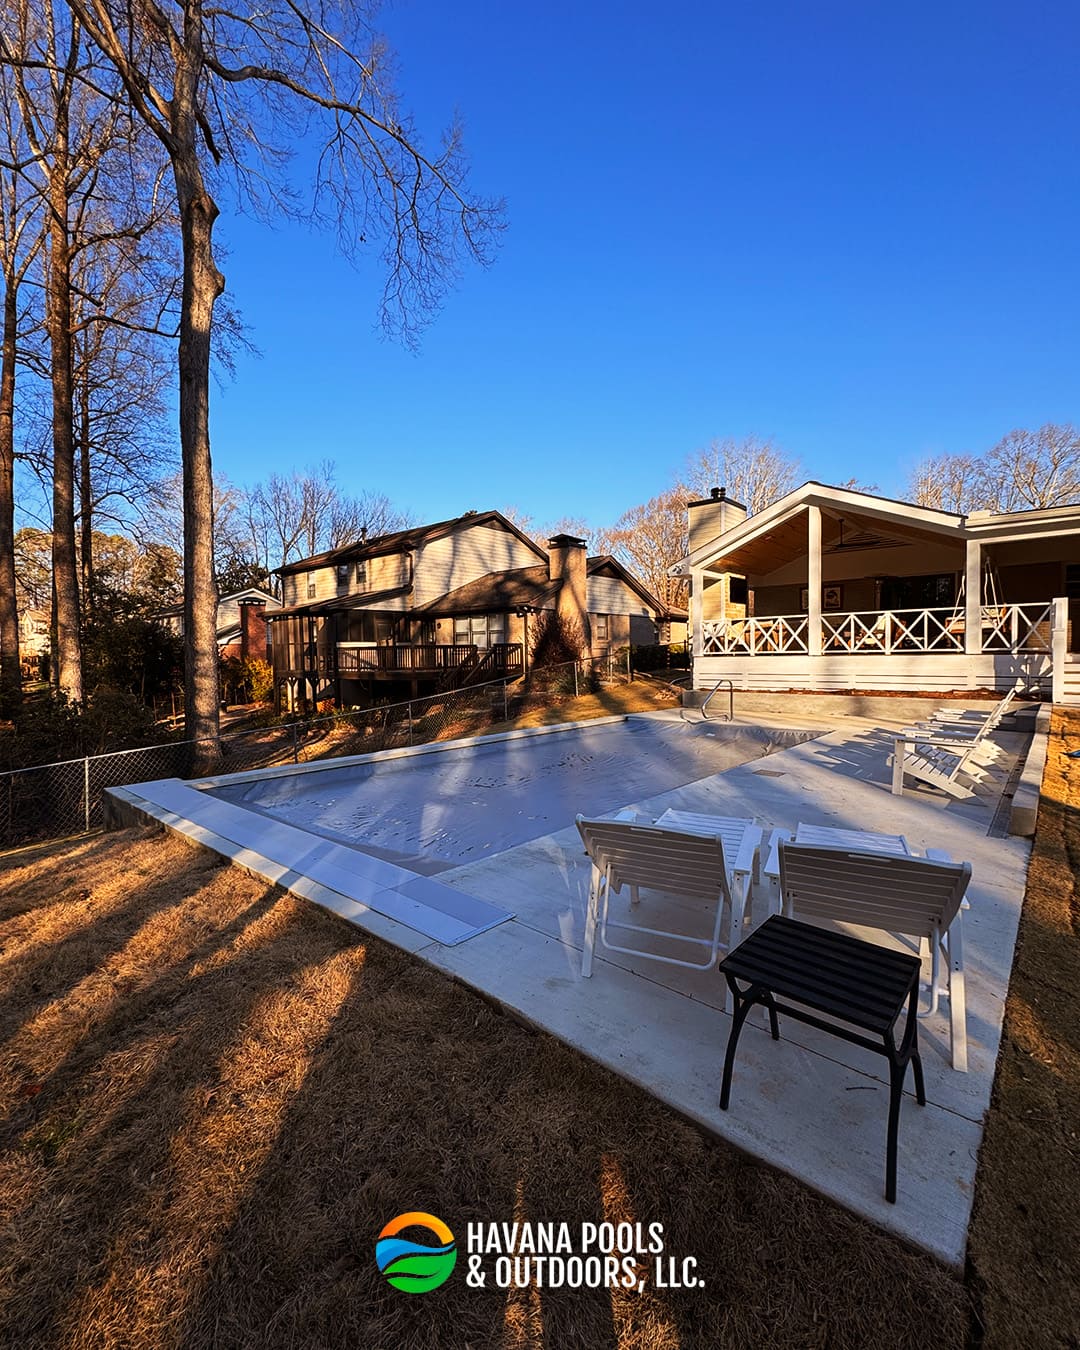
{"type": "Point", "coordinates": [214, 1096]}
{"type": "Point", "coordinates": [1024, 1248]}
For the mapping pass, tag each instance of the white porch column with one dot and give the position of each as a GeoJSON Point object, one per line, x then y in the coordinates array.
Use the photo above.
{"type": "Point", "coordinates": [697, 642]}
{"type": "Point", "coordinates": [813, 580]}
{"type": "Point", "coordinates": [973, 598]}
{"type": "Point", "coordinates": [1059, 634]}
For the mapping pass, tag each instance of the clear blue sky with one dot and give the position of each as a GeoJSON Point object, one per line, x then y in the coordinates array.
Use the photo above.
{"type": "Point", "coordinates": [850, 226]}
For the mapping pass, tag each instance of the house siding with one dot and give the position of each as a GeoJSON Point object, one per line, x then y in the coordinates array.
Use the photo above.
{"type": "Point", "coordinates": [383, 574]}
{"type": "Point", "coordinates": [473, 551]}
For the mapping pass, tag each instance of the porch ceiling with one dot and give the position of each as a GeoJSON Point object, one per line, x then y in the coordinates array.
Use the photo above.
{"type": "Point", "coordinates": [850, 533]}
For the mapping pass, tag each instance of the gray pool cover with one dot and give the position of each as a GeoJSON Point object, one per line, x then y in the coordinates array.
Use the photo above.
{"type": "Point", "coordinates": [474, 801]}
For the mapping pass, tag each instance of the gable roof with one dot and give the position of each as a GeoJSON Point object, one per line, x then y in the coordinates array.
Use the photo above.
{"type": "Point", "coordinates": [496, 592]}
{"type": "Point", "coordinates": [402, 541]}
{"type": "Point", "coordinates": [605, 562]}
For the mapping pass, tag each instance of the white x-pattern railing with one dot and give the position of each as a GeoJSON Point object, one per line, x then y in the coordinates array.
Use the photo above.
{"type": "Point", "coordinates": [1005, 628]}
{"type": "Point", "coordinates": [777, 635]}
{"type": "Point", "coordinates": [1014, 628]}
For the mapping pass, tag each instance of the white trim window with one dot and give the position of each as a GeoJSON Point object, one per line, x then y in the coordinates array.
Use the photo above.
{"type": "Point", "coordinates": [602, 629]}
{"type": "Point", "coordinates": [479, 630]}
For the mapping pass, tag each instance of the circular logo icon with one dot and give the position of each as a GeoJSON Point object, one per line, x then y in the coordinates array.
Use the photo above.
{"type": "Point", "coordinates": [416, 1267]}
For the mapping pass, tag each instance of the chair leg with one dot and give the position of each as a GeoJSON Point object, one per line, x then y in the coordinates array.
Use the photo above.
{"type": "Point", "coordinates": [743, 1004]}
{"type": "Point", "coordinates": [896, 1093]}
{"type": "Point", "coordinates": [920, 1086]}
{"type": "Point", "coordinates": [957, 999]}
{"type": "Point", "coordinates": [590, 925]}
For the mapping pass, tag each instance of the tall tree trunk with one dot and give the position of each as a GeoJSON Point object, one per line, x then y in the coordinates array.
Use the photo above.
{"type": "Point", "coordinates": [86, 507]}
{"type": "Point", "coordinates": [67, 653]}
{"type": "Point", "coordinates": [10, 673]}
{"type": "Point", "coordinates": [203, 283]}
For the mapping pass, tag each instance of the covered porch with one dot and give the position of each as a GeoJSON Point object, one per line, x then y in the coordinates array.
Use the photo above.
{"type": "Point", "coordinates": [847, 591]}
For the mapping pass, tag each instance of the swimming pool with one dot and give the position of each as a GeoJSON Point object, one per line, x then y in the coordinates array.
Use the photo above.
{"type": "Point", "coordinates": [444, 806]}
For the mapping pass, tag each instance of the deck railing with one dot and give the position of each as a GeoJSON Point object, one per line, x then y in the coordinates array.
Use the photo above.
{"type": "Point", "coordinates": [1005, 628]}
{"type": "Point", "coordinates": [426, 657]}
{"type": "Point", "coordinates": [773, 636]}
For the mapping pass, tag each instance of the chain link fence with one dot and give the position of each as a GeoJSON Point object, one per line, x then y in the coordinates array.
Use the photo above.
{"type": "Point", "coordinates": [55, 801]}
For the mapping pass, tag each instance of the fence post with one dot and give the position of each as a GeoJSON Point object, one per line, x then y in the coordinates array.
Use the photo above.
{"type": "Point", "coordinates": [410, 722]}
{"type": "Point", "coordinates": [629, 672]}
{"type": "Point", "coordinates": [86, 793]}
{"type": "Point", "coordinates": [575, 680]}
{"type": "Point", "coordinates": [295, 744]}
{"type": "Point", "coordinates": [506, 700]}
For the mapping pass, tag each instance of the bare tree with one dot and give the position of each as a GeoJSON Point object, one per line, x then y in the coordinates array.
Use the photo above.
{"type": "Point", "coordinates": [754, 471]}
{"type": "Point", "coordinates": [295, 516]}
{"type": "Point", "coordinates": [1028, 470]}
{"type": "Point", "coordinates": [947, 483]}
{"type": "Point", "coordinates": [20, 240]}
{"type": "Point", "coordinates": [650, 538]}
{"type": "Point", "coordinates": [214, 85]}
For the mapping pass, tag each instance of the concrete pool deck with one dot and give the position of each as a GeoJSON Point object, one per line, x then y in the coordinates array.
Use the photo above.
{"type": "Point", "coordinates": [808, 1104]}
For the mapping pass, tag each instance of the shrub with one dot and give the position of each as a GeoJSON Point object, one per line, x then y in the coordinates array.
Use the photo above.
{"type": "Point", "coordinates": [259, 678]}
{"type": "Point", "coordinates": [555, 640]}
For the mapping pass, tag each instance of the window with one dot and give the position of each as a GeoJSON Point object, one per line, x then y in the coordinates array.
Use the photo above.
{"type": "Point", "coordinates": [1072, 581]}
{"type": "Point", "coordinates": [369, 627]}
{"type": "Point", "coordinates": [343, 574]}
{"type": "Point", "coordinates": [361, 572]}
{"type": "Point", "coordinates": [926, 592]}
{"type": "Point", "coordinates": [602, 630]}
{"type": "Point", "coordinates": [738, 592]}
{"type": "Point", "coordinates": [479, 630]}
{"type": "Point", "coordinates": [311, 586]}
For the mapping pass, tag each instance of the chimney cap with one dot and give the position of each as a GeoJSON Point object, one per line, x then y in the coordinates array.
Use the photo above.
{"type": "Point", "coordinates": [565, 541]}
{"type": "Point", "coordinates": [716, 497]}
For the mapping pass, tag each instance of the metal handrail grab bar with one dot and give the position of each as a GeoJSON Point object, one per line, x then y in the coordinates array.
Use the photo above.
{"type": "Point", "coordinates": [731, 699]}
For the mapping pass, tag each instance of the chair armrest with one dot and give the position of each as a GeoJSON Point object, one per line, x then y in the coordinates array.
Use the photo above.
{"type": "Point", "coordinates": [748, 849]}
{"type": "Point", "coordinates": [771, 866]}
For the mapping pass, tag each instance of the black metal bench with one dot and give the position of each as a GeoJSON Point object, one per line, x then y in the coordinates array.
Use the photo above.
{"type": "Point", "coordinates": [859, 983]}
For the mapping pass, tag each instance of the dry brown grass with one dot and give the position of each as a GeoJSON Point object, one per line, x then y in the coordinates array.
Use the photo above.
{"type": "Point", "coordinates": [1024, 1250]}
{"type": "Point", "coordinates": [612, 700]}
{"type": "Point", "coordinates": [214, 1096]}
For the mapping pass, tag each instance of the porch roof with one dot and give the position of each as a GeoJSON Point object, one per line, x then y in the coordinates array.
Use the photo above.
{"type": "Point", "coordinates": [850, 520]}
{"type": "Point", "coordinates": [778, 534]}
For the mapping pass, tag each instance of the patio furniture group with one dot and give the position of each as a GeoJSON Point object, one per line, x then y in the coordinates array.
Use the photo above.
{"type": "Point", "coordinates": [818, 873]}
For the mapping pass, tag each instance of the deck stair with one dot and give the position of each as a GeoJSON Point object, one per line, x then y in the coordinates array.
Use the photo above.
{"type": "Point", "coordinates": [1072, 680]}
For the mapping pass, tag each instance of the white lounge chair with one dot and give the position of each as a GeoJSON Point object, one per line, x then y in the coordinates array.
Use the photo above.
{"type": "Point", "coordinates": [917, 897]}
{"type": "Point", "coordinates": [675, 862]}
{"type": "Point", "coordinates": [970, 719]}
{"type": "Point", "coordinates": [939, 759]}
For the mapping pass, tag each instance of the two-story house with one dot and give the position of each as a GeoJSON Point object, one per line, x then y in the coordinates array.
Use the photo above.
{"type": "Point", "coordinates": [441, 605]}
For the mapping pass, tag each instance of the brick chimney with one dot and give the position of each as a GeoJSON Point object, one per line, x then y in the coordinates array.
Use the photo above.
{"type": "Point", "coordinates": [712, 516]}
{"type": "Point", "coordinates": [253, 638]}
{"type": "Point", "coordinates": [566, 563]}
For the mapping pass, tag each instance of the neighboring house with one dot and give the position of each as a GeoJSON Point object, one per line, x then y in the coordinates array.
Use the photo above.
{"type": "Point", "coordinates": [442, 605]}
{"type": "Point", "coordinates": [241, 623]}
{"type": "Point", "coordinates": [834, 589]}
{"type": "Point", "coordinates": [33, 640]}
